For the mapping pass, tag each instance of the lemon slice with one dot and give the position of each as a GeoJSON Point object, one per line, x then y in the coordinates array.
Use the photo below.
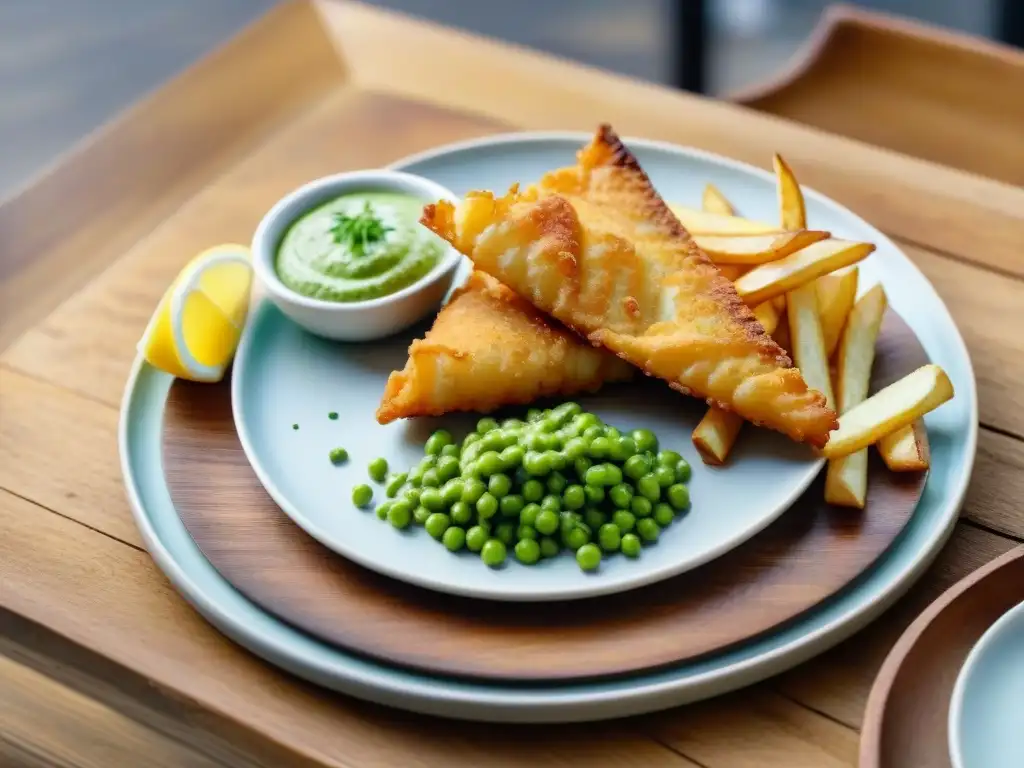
{"type": "Point", "coordinates": [195, 330]}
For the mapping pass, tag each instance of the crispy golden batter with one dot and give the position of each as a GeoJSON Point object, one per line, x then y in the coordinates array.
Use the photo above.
{"type": "Point", "coordinates": [489, 348]}
{"type": "Point", "coordinates": [597, 248]}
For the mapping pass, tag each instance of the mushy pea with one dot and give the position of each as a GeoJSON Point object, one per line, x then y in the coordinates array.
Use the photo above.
{"type": "Point", "coordinates": [356, 247]}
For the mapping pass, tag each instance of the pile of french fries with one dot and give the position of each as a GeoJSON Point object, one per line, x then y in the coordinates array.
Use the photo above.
{"type": "Point", "coordinates": [802, 285]}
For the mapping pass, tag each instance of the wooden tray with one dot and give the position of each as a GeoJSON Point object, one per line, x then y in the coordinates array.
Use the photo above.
{"type": "Point", "coordinates": [906, 722]}
{"type": "Point", "coordinates": [812, 552]}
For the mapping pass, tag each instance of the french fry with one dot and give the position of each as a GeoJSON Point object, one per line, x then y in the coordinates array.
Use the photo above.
{"type": "Point", "coordinates": [781, 335]}
{"type": "Point", "coordinates": [791, 197]}
{"type": "Point", "coordinates": [895, 407]}
{"type": "Point", "coordinates": [704, 223]}
{"type": "Point", "coordinates": [806, 339]}
{"type": "Point", "coordinates": [783, 276]}
{"type": "Point", "coordinates": [752, 250]}
{"type": "Point", "coordinates": [907, 449]}
{"type": "Point", "coordinates": [732, 272]}
{"type": "Point", "coordinates": [713, 201]}
{"type": "Point", "coordinates": [837, 293]}
{"type": "Point", "coordinates": [846, 479]}
{"type": "Point", "coordinates": [780, 302]}
{"type": "Point", "coordinates": [716, 433]}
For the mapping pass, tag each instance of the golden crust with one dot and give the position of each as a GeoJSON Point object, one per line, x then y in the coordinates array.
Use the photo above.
{"type": "Point", "coordinates": [488, 348]}
{"type": "Point", "coordinates": [595, 246]}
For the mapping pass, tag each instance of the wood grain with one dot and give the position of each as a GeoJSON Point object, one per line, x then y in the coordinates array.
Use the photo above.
{"type": "Point", "coordinates": [892, 83]}
{"type": "Point", "coordinates": [812, 552]}
{"type": "Point", "coordinates": [911, 694]}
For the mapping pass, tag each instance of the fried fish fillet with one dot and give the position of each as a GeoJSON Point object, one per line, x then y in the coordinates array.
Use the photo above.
{"type": "Point", "coordinates": [595, 246]}
{"type": "Point", "coordinates": [489, 348]}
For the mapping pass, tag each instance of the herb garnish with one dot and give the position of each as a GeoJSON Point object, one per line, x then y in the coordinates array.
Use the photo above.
{"type": "Point", "coordinates": [360, 230]}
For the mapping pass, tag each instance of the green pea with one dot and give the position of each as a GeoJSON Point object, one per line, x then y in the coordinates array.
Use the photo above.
{"type": "Point", "coordinates": [574, 497]}
{"type": "Point", "coordinates": [678, 496]}
{"type": "Point", "coordinates": [621, 495]}
{"type": "Point", "coordinates": [581, 465]}
{"type": "Point", "coordinates": [564, 412]}
{"type": "Point", "coordinates": [637, 466]}
{"type": "Point", "coordinates": [382, 510]}
{"type": "Point", "coordinates": [567, 521]}
{"type": "Point", "coordinates": [648, 487]}
{"type": "Point", "coordinates": [395, 484]}
{"type": "Point", "coordinates": [512, 456]}
{"type": "Point", "coordinates": [362, 495]}
{"type": "Point", "coordinates": [648, 529]}
{"type": "Point", "coordinates": [641, 506]}
{"type": "Point", "coordinates": [530, 514]}
{"type": "Point", "coordinates": [499, 485]}
{"type": "Point", "coordinates": [431, 479]}
{"type": "Point", "coordinates": [432, 499]}
{"type": "Point", "coordinates": [600, 448]}
{"type": "Point", "coordinates": [594, 518]}
{"type": "Point", "coordinates": [447, 468]}
{"type": "Point", "coordinates": [461, 512]}
{"type": "Point", "coordinates": [476, 537]}
{"type": "Point", "coordinates": [645, 440]}
{"type": "Point", "coordinates": [536, 463]}
{"type": "Point", "coordinates": [548, 424]}
{"type": "Point", "coordinates": [437, 524]}
{"type": "Point", "coordinates": [664, 515]}
{"type": "Point", "coordinates": [526, 532]}
{"type": "Point", "coordinates": [622, 448]}
{"type": "Point", "coordinates": [556, 482]}
{"type": "Point", "coordinates": [505, 533]}
{"type": "Point", "coordinates": [492, 441]}
{"type": "Point", "coordinates": [451, 450]}
{"type": "Point", "coordinates": [595, 494]}
{"type": "Point", "coordinates": [575, 448]}
{"type": "Point", "coordinates": [552, 502]}
{"type": "Point", "coordinates": [472, 489]}
{"type": "Point", "coordinates": [337, 455]}
{"type": "Point", "coordinates": [451, 491]}
{"type": "Point", "coordinates": [487, 506]}
{"type": "Point", "coordinates": [416, 477]}
{"type": "Point", "coordinates": [533, 490]}
{"type": "Point", "coordinates": [591, 433]}
{"type": "Point", "coordinates": [527, 551]}
{"type": "Point", "coordinates": [469, 439]}
{"type": "Point", "coordinates": [489, 463]}
{"type": "Point", "coordinates": [485, 425]}
{"type": "Point", "coordinates": [454, 539]}
{"type": "Point", "coordinates": [577, 537]}
{"type": "Point", "coordinates": [493, 553]}
{"type": "Point", "coordinates": [511, 505]}
{"type": "Point", "coordinates": [378, 470]}
{"type": "Point", "coordinates": [555, 459]}
{"type": "Point", "coordinates": [608, 537]}
{"type": "Point", "coordinates": [532, 441]}
{"type": "Point", "coordinates": [582, 421]}
{"type": "Point", "coordinates": [630, 545]}
{"type": "Point", "coordinates": [428, 462]}
{"type": "Point", "coordinates": [588, 557]}
{"type": "Point", "coordinates": [668, 459]}
{"type": "Point", "coordinates": [683, 471]}
{"type": "Point", "coordinates": [420, 514]}
{"type": "Point", "coordinates": [549, 547]}
{"type": "Point", "coordinates": [597, 475]}
{"type": "Point", "coordinates": [625, 520]}
{"type": "Point", "coordinates": [399, 515]}
{"type": "Point", "coordinates": [513, 424]}
{"type": "Point", "coordinates": [471, 453]}
{"type": "Point", "coordinates": [437, 441]}
{"type": "Point", "coordinates": [665, 476]}
{"type": "Point", "coordinates": [546, 521]}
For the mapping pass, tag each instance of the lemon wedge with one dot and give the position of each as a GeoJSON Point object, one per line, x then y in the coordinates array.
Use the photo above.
{"type": "Point", "coordinates": [195, 330]}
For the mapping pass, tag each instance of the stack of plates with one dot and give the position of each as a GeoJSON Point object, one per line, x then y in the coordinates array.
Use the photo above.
{"type": "Point", "coordinates": [254, 527]}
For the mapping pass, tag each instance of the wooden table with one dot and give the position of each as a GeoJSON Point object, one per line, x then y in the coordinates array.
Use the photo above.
{"type": "Point", "coordinates": [104, 664]}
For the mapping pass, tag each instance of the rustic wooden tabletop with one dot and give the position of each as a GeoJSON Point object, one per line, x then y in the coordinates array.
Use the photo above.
{"type": "Point", "coordinates": [104, 664]}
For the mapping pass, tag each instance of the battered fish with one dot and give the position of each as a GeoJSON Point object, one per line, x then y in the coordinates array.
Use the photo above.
{"type": "Point", "coordinates": [489, 348]}
{"type": "Point", "coordinates": [595, 246]}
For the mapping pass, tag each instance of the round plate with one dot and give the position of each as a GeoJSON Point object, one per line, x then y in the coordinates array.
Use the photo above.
{"type": "Point", "coordinates": [809, 554]}
{"type": "Point", "coordinates": [985, 717]}
{"type": "Point", "coordinates": [953, 435]}
{"type": "Point", "coordinates": [284, 376]}
{"type": "Point", "coordinates": [913, 690]}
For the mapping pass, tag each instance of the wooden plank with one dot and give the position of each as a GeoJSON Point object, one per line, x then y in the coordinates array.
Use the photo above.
{"type": "Point", "coordinates": [110, 599]}
{"type": "Point", "coordinates": [949, 210]}
{"type": "Point", "coordinates": [130, 175]}
{"type": "Point", "coordinates": [997, 485]}
{"type": "Point", "coordinates": [837, 682]}
{"type": "Point", "coordinates": [61, 727]}
{"type": "Point", "coordinates": [754, 728]}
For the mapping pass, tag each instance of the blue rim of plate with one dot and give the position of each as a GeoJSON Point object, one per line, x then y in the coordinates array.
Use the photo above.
{"type": "Point", "coordinates": [954, 433]}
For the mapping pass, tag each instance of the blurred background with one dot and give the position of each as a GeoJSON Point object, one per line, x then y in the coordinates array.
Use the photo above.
{"type": "Point", "coordinates": [66, 66]}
